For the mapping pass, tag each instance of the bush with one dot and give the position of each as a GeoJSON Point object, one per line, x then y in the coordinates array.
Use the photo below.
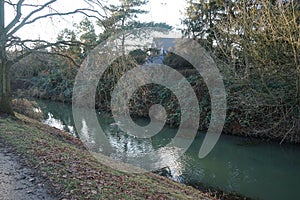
{"type": "Point", "coordinates": [28, 108]}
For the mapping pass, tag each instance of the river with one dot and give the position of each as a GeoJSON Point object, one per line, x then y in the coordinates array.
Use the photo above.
{"type": "Point", "coordinates": [259, 170]}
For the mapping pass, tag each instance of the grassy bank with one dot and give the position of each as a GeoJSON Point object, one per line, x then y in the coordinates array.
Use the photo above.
{"type": "Point", "coordinates": [75, 174]}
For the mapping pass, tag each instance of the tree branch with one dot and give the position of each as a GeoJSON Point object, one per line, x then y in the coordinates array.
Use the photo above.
{"type": "Point", "coordinates": [28, 17]}
{"type": "Point", "coordinates": [24, 4]}
{"type": "Point", "coordinates": [82, 11]}
{"type": "Point", "coordinates": [27, 50]}
{"type": "Point", "coordinates": [17, 41]}
{"type": "Point", "coordinates": [60, 54]}
{"type": "Point", "coordinates": [46, 53]}
{"type": "Point", "coordinates": [17, 18]}
{"type": "Point", "coordinates": [38, 48]}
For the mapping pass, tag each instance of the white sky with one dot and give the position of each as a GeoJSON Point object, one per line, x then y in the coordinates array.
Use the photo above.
{"type": "Point", "coordinates": [168, 11]}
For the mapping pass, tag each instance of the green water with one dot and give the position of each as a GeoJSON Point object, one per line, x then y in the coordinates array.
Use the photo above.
{"type": "Point", "coordinates": [260, 170]}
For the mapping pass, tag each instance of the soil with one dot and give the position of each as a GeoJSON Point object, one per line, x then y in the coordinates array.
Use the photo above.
{"type": "Point", "coordinates": [18, 181]}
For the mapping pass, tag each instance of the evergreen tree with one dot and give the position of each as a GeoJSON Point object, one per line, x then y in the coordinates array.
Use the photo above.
{"type": "Point", "coordinates": [124, 17]}
{"type": "Point", "coordinates": [87, 35]}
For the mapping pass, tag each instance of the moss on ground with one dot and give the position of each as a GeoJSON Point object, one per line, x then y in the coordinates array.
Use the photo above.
{"type": "Point", "coordinates": [75, 174]}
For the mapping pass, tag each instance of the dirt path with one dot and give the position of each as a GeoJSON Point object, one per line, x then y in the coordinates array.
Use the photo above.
{"type": "Point", "coordinates": [18, 182]}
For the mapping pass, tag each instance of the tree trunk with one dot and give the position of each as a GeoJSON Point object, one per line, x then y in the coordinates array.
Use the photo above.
{"type": "Point", "coordinates": [5, 91]}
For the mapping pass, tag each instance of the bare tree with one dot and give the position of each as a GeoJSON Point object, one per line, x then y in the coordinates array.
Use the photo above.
{"type": "Point", "coordinates": [10, 41]}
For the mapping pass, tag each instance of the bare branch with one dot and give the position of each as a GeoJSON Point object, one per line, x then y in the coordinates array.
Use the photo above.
{"type": "Point", "coordinates": [29, 52]}
{"type": "Point", "coordinates": [81, 11]}
{"type": "Point", "coordinates": [10, 3]}
{"type": "Point", "coordinates": [24, 44]}
{"type": "Point", "coordinates": [24, 4]}
{"type": "Point", "coordinates": [61, 55]}
{"type": "Point", "coordinates": [17, 18]}
{"type": "Point", "coordinates": [37, 49]}
{"type": "Point", "coordinates": [97, 2]}
{"type": "Point", "coordinates": [49, 44]}
{"type": "Point", "coordinates": [28, 16]}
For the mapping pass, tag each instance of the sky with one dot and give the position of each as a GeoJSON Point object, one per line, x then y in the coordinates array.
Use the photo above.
{"type": "Point", "coordinates": [168, 11]}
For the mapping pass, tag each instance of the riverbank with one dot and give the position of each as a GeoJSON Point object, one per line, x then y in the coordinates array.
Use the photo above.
{"type": "Point", "coordinates": [266, 121]}
{"type": "Point", "coordinates": [75, 174]}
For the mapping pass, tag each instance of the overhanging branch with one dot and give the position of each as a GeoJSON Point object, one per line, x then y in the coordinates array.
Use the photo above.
{"type": "Point", "coordinates": [17, 17]}
{"type": "Point", "coordinates": [28, 17]}
{"type": "Point", "coordinates": [27, 50]}
{"type": "Point", "coordinates": [81, 11]}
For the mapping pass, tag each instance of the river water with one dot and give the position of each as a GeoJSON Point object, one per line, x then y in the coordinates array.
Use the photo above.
{"type": "Point", "coordinates": [258, 170]}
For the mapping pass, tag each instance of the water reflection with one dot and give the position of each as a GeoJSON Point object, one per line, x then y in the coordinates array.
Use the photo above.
{"type": "Point", "coordinates": [111, 141]}
{"type": "Point", "coordinates": [58, 115]}
{"type": "Point", "coordinates": [57, 123]}
{"type": "Point", "coordinates": [264, 171]}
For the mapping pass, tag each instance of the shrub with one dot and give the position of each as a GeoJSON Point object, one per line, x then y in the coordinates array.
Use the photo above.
{"type": "Point", "coordinates": [28, 108]}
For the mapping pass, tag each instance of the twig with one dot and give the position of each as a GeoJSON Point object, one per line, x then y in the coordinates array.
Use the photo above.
{"type": "Point", "coordinates": [287, 134]}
